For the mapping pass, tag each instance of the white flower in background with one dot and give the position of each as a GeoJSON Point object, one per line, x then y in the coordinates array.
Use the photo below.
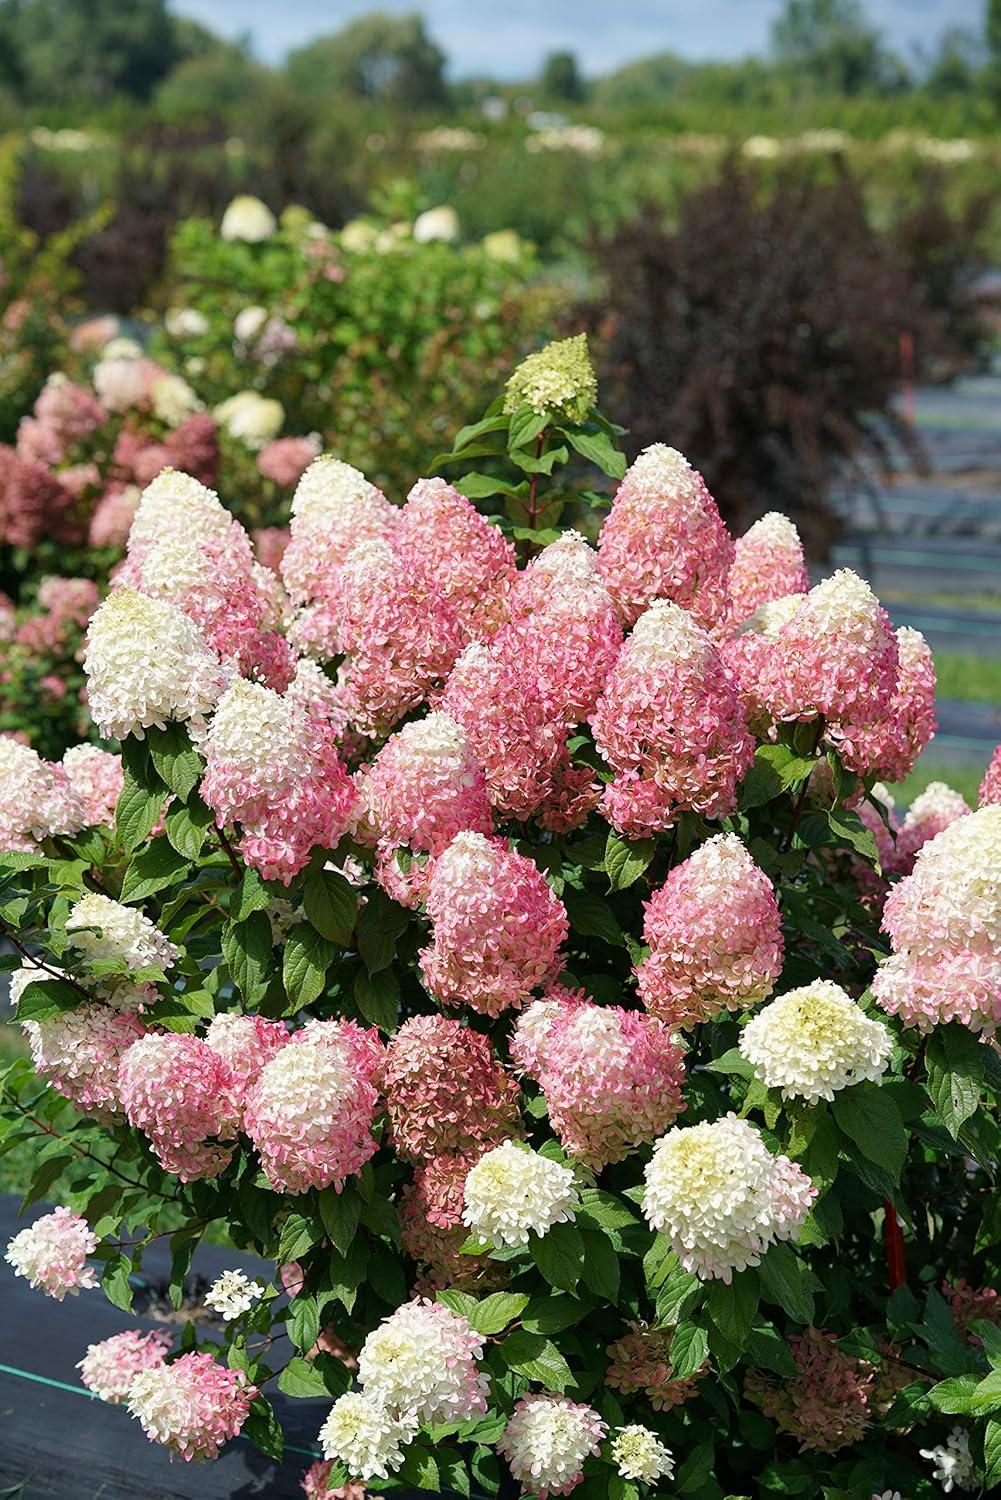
{"type": "Point", "coordinates": [762, 148]}
{"type": "Point", "coordinates": [547, 1441]}
{"type": "Point", "coordinates": [252, 419]}
{"type": "Point", "coordinates": [125, 933]}
{"type": "Point", "coordinates": [511, 1191]}
{"type": "Point", "coordinates": [247, 218]}
{"type": "Point", "coordinates": [358, 236]}
{"type": "Point", "coordinates": [814, 1041]}
{"type": "Point", "coordinates": [441, 223]}
{"type": "Point", "coordinates": [248, 323]}
{"type": "Point", "coordinates": [185, 322]}
{"type": "Point", "coordinates": [952, 1462]}
{"type": "Point", "coordinates": [51, 1254]}
{"type": "Point", "coordinates": [364, 1436]}
{"type": "Point", "coordinates": [232, 1294]}
{"type": "Point", "coordinates": [639, 1453]}
{"type": "Point", "coordinates": [503, 244]}
{"type": "Point", "coordinates": [172, 399]}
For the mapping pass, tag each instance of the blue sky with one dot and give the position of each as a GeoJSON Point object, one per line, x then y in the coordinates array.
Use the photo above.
{"type": "Point", "coordinates": [508, 37]}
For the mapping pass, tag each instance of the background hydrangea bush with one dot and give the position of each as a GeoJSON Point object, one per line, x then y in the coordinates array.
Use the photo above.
{"type": "Point", "coordinates": [494, 918]}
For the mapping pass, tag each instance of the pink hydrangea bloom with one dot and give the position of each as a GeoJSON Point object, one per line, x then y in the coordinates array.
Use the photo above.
{"type": "Point", "coordinates": [671, 726]}
{"type": "Point", "coordinates": [333, 509]}
{"type": "Point", "coordinates": [432, 1230]}
{"type": "Point", "coordinates": [314, 1483]}
{"type": "Point", "coordinates": [445, 1091]}
{"type": "Point", "coordinates": [931, 811]}
{"type": "Point", "coordinates": [310, 1112]}
{"type": "Point", "coordinates": [34, 503]}
{"type": "Point", "coordinates": [968, 1304]}
{"type": "Point", "coordinates": [767, 564]}
{"type": "Point", "coordinates": [109, 1368]}
{"type": "Point", "coordinates": [272, 768]}
{"type": "Point", "coordinates": [113, 515]}
{"type": "Point", "coordinates": [944, 922]}
{"type": "Point", "coordinates": [715, 936]}
{"type": "Point", "coordinates": [665, 539]}
{"type": "Point", "coordinates": [64, 414]}
{"type": "Point", "coordinates": [192, 1406]}
{"type": "Point", "coordinates": [612, 1079]}
{"type": "Point", "coordinates": [838, 656]}
{"type": "Point", "coordinates": [37, 799]}
{"type": "Point", "coordinates": [547, 1440]}
{"type": "Point", "coordinates": [51, 1254]}
{"type": "Point", "coordinates": [748, 652]}
{"type": "Point", "coordinates": [826, 1405]}
{"type": "Point", "coordinates": [990, 787]}
{"type": "Point", "coordinates": [285, 460]}
{"type": "Point", "coordinates": [532, 1027]}
{"type": "Point", "coordinates": [246, 1045]}
{"type": "Point", "coordinates": [497, 926]}
{"type": "Point", "coordinates": [640, 1362]}
{"type": "Point", "coordinates": [79, 1051]}
{"type": "Point", "coordinates": [270, 543]}
{"type": "Point", "coordinates": [95, 778]}
{"type": "Point", "coordinates": [193, 448]}
{"type": "Point", "coordinates": [421, 1363]}
{"type": "Point", "coordinates": [889, 746]}
{"type": "Point", "coordinates": [178, 1092]}
{"type": "Point", "coordinates": [464, 561]}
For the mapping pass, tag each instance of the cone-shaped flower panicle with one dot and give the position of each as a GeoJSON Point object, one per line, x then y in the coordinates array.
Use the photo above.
{"type": "Point", "coordinates": [638, 1453]}
{"type": "Point", "coordinates": [990, 787]}
{"type": "Point", "coordinates": [421, 1363]}
{"type": "Point", "coordinates": [640, 1363]}
{"type": "Point", "coordinates": [665, 539]}
{"type": "Point", "coordinates": [37, 798]}
{"type": "Point", "coordinates": [497, 926]}
{"type": "Point", "coordinates": [364, 1436]}
{"type": "Point", "coordinates": [813, 1041]}
{"type": "Point", "coordinates": [103, 929]}
{"type": "Point", "coordinates": [310, 1113]}
{"type": "Point", "coordinates": [51, 1254]}
{"type": "Point", "coordinates": [889, 746]}
{"type": "Point", "coordinates": [246, 1045]}
{"type": "Point", "coordinates": [95, 778]}
{"type": "Point", "coordinates": [559, 379]}
{"type": "Point", "coordinates": [547, 1440]}
{"type": "Point", "coordinates": [748, 652]}
{"type": "Point", "coordinates": [767, 564]}
{"type": "Point", "coordinates": [109, 1368]}
{"type": "Point", "coordinates": [460, 557]}
{"type": "Point", "coordinates": [512, 1191]}
{"type": "Point", "coordinates": [193, 1406]}
{"type": "Point", "coordinates": [78, 1052]}
{"type": "Point", "coordinates": [333, 509]}
{"type": "Point", "coordinates": [715, 936]}
{"type": "Point", "coordinates": [178, 1092]}
{"type": "Point", "coordinates": [944, 921]}
{"type": "Point", "coordinates": [931, 811]}
{"type": "Point", "coordinates": [827, 1404]}
{"type": "Point", "coordinates": [432, 1231]}
{"type": "Point", "coordinates": [721, 1197]}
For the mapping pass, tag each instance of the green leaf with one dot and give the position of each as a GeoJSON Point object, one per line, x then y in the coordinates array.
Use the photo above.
{"type": "Point", "coordinates": [115, 1281]}
{"type": "Point", "coordinates": [992, 1453]}
{"type": "Point", "coordinates": [303, 1321]}
{"type": "Point", "coordinates": [379, 924]}
{"type": "Point", "coordinates": [776, 770]}
{"type": "Point", "coordinates": [559, 1255]}
{"type": "Point", "coordinates": [420, 1467]}
{"type": "Point", "coordinates": [247, 948]}
{"type": "Point", "coordinates": [733, 1308]}
{"type": "Point", "coordinates": [680, 1293]}
{"type": "Point", "coordinates": [766, 1347]}
{"type": "Point", "coordinates": [590, 915]}
{"type": "Point", "coordinates": [495, 1312]}
{"type": "Point", "coordinates": [525, 427]}
{"type": "Point", "coordinates": [301, 1378]}
{"type": "Point", "coordinates": [339, 1213]}
{"type": "Point", "coordinates": [733, 1062]}
{"type": "Point", "coordinates": [136, 813]}
{"type": "Point", "coordinates": [601, 1266]}
{"type": "Point", "coordinates": [187, 825]}
{"type": "Point", "coordinates": [536, 1358]}
{"type": "Point", "coordinates": [787, 1283]}
{"type": "Point", "coordinates": [263, 1429]}
{"type": "Point", "coordinates": [298, 1235]}
{"type": "Point", "coordinates": [308, 956]}
{"type": "Point", "coordinates": [599, 449]}
{"type": "Point", "coordinates": [695, 1470]}
{"type": "Point", "coordinates": [689, 1350]}
{"type": "Point", "coordinates": [251, 894]}
{"type": "Point", "coordinates": [552, 1314]}
{"type": "Point", "coordinates": [182, 1248]}
{"type": "Point", "coordinates": [44, 1176]}
{"type": "Point", "coordinates": [848, 828]}
{"type": "Point", "coordinates": [625, 859]}
{"type": "Point", "coordinates": [954, 1072]}
{"type": "Point", "coordinates": [177, 762]}
{"type": "Point", "coordinates": [331, 905]}
{"type": "Point", "coordinates": [481, 486]}
{"type": "Point", "coordinates": [152, 870]}
{"type": "Point", "coordinates": [953, 1395]}
{"type": "Point", "coordinates": [44, 998]}
{"type": "Point", "coordinates": [869, 1117]}
{"type": "Point", "coordinates": [986, 1397]}
{"type": "Point", "coordinates": [377, 997]}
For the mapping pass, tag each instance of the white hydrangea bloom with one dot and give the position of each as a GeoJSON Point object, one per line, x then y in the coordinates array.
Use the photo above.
{"type": "Point", "coordinates": [362, 1434]}
{"type": "Point", "coordinates": [952, 1462]}
{"type": "Point", "coordinates": [250, 418]}
{"type": "Point", "coordinates": [125, 933]}
{"type": "Point", "coordinates": [547, 1441]}
{"type": "Point", "coordinates": [639, 1453]}
{"type": "Point", "coordinates": [814, 1041]}
{"type": "Point", "coordinates": [232, 1294]}
{"type": "Point", "coordinates": [174, 502]}
{"type": "Point", "coordinates": [146, 663]}
{"type": "Point", "coordinates": [511, 1191]}
{"type": "Point", "coordinates": [721, 1197]}
{"type": "Point", "coordinates": [172, 399]}
{"type": "Point", "coordinates": [185, 322]}
{"type": "Point", "coordinates": [441, 223]}
{"type": "Point", "coordinates": [420, 1362]}
{"type": "Point", "coordinates": [248, 219]}
{"type": "Point", "coordinates": [36, 798]}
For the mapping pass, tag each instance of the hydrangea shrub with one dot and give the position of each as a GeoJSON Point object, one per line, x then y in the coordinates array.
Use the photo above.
{"type": "Point", "coordinates": [492, 918]}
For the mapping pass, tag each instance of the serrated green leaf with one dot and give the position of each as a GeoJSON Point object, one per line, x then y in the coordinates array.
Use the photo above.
{"type": "Point", "coordinates": [590, 915]}
{"type": "Point", "coordinates": [340, 1213]}
{"type": "Point", "coordinates": [597, 448]}
{"type": "Point", "coordinates": [330, 905]}
{"type": "Point", "coordinates": [247, 947]}
{"type": "Point", "coordinates": [377, 997]}
{"type": "Point", "coordinates": [153, 869]}
{"type": "Point", "coordinates": [537, 1358]}
{"type": "Point", "coordinates": [301, 1378]}
{"type": "Point", "coordinates": [954, 1395]}
{"type": "Point", "coordinates": [495, 1312]}
{"type": "Point", "coordinates": [176, 762]}
{"type": "Point", "coordinates": [776, 770]}
{"type": "Point", "coordinates": [600, 1272]}
{"type": "Point", "coordinates": [136, 813]}
{"type": "Point", "coordinates": [733, 1308]}
{"type": "Point", "coordinates": [559, 1255]}
{"type": "Point", "coordinates": [689, 1350]}
{"type": "Point", "coordinates": [43, 998]}
{"type": "Point", "coordinates": [954, 1070]}
{"type": "Point", "coordinates": [263, 1429]}
{"type": "Point", "coordinates": [186, 825]}
{"type": "Point", "coordinates": [869, 1116]}
{"type": "Point", "coordinates": [992, 1453]}
{"type": "Point", "coordinates": [251, 894]}
{"type": "Point", "coordinates": [787, 1283]}
{"type": "Point", "coordinates": [626, 859]}
{"type": "Point", "coordinates": [307, 958]}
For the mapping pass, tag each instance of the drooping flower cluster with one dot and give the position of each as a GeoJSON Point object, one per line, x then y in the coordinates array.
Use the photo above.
{"type": "Point", "coordinates": [665, 539]}
{"type": "Point", "coordinates": [272, 768]}
{"type": "Point", "coordinates": [815, 1040]}
{"type": "Point", "coordinates": [310, 1112]}
{"type": "Point", "coordinates": [109, 1368]}
{"type": "Point", "coordinates": [445, 1093]}
{"type": "Point", "coordinates": [79, 1051]}
{"type": "Point", "coordinates": [547, 1440]}
{"type": "Point", "coordinates": [51, 1254]}
{"type": "Point", "coordinates": [721, 1197]}
{"type": "Point", "coordinates": [37, 799]}
{"type": "Point", "coordinates": [768, 564]}
{"type": "Point", "coordinates": [639, 1453]}
{"type": "Point", "coordinates": [837, 657]}
{"type": "Point", "coordinates": [671, 725]}
{"type": "Point", "coordinates": [715, 936]}
{"type": "Point", "coordinates": [512, 1191]}
{"type": "Point", "coordinates": [944, 921]}
{"type": "Point", "coordinates": [611, 1077]}
{"type": "Point", "coordinates": [178, 1092]}
{"type": "Point", "coordinates": [640, 1361]}
{"type": "Point", "coordinates": [363, 1435]}
{"type": "Point", "coordinates": [826, 1406]}
{"type": "Point", "coordinates": [497, 926]}
{"type": "Point", "coordinates": [104, 930]}
{"type": "Point", "coordinates": [192, 1406]}
{"type": "Point", "coordinates": [889, 745]}
{"type": "Point", "coordinates": [421, 1364]}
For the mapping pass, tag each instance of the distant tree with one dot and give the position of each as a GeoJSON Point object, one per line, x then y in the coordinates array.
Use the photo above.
{"type": "Point", "coordinates": [560, 78]}
{"type": "Point", "coordinates": [992, 37]}
{"type": "Point", "coordinates": [832, 43]}
{"type": "Point", "coordinates": [211, 86]}
{"type": "Point", "coordinates": [649, 81]}
{"type": "Point", "coordinates": [381, 57]}
{"type": "Point", "coordinates": [956, 63]}
{"type": "Point", "coordinates": [86, 51]}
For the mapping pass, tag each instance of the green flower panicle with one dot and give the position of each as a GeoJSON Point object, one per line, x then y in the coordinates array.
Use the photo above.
{"type": "Point", "coordinates": [559, 379]}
